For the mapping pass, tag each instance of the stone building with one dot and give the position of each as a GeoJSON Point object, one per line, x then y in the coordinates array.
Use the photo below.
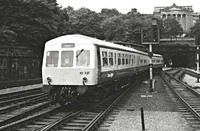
{"type": "Point", "coordinates": [183, 14]}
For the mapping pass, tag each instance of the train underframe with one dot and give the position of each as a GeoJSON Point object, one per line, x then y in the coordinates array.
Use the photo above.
{"type": "Point", "coordinates": [83, 94]}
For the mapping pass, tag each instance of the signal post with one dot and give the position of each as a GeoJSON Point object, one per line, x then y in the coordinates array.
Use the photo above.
{"type": "Point", "coordinates": [197, 43]}
{"type": "Point", "coordinates": [155, 40]}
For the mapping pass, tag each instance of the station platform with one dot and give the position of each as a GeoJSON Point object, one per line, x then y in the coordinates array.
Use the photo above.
{"type": "Point", "coordinates": [160, 111]}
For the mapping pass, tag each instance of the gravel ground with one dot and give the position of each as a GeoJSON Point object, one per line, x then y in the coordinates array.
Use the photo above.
{"type": "Point", "coordinates": [20, 88]}
{"type": "Point", "coordinates": [160, 112]}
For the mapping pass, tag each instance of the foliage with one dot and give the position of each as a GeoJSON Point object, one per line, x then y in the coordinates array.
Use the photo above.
{"type": "Point", "coordinates": [84, 21]}
{"type": "Point", "coordinates": [113, 28]}
{"type": "Point", "coordinates": [195, 29]}
{"type": "Point", "coordinates": [172, 27]}
{"type": "Point", "coordinates": [30, 21]}
{"type": "Point", "coordinates": [109, 12]}
{"type": "Point", "coordinates": [33, 22]}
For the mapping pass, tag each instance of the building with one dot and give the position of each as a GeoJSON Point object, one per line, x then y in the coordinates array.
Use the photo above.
{"type": "Point", "coordinates": [183, 14]}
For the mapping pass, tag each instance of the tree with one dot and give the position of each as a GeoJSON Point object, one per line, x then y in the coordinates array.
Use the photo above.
{"type": "Point", "coordinates": [33, 22]}
{"type": "Point", "coordinates": [114, 28]}
{"type": "Point", "coordinates": [195, 32]}
{"type": "Point", "coordinates": [109, 12]}
{"type": "Point", "coordinates": [195, 29]}
{"type": "Point", "coordinates": [172, 27]}
{"type": "Point", "coordinates": [86, 22]}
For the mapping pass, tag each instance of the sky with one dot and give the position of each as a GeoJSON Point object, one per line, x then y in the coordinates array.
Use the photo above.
{"type": "Point", "coordinates": [124, 6]}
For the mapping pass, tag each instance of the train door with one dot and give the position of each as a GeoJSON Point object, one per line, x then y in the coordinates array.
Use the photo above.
{"type": "Point", "coordinates": [99, 63]}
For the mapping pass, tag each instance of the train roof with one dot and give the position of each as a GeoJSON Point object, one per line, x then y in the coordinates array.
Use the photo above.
{"type": "Point", "coordinates": [77, 38]}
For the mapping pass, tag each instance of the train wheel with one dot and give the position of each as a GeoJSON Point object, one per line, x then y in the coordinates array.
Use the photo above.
{"type": "Point", "coordinates": [62, 100]}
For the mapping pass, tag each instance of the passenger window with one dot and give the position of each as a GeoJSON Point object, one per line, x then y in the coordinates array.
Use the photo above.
{"type": "Point", "coordinates": [133, 59]}
{"type": "Point", "coordinates": [119, 59]}
{"type": "Point", "coordinates": [110, 59]}
{"type": "Point", "coordinates": [123, 60]}
{"type": "Point", "coordinates": [52, 59]}
{"type": "Point", "coordinates": [105, 58]}
{"type": "Point", "coordinates": [115, 59]}
{"type": "Point", "coordinates": [129, 60]}
{"type": "Point", "coordinates": [83, 58]}
{"type": "Point", "coordinates": [67, 58]}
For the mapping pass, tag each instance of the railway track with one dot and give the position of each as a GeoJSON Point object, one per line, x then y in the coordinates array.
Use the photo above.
{"type": "Point", "coordinates": [86, 118]}
{"type": "Point", "coordinates": [18, 105]}
{"type": "Point", "coordinates": [19, 94]}
{"type": "Point", "coordinates": [186, 98]}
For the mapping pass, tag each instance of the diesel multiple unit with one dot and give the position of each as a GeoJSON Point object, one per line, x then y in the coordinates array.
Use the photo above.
{"type": "Point", "coordinates": [76, 65]}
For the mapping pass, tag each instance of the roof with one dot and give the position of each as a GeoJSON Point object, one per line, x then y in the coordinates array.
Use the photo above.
{"type": "Point", "coordinates": [173, 7]}
{"type": "Point", "coordinates": [77, 38]}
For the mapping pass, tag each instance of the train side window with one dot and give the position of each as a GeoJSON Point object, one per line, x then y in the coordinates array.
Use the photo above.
{"type": "Point", "coordinates": [141, 61]}
{"type": "Point", "coordinates": [52, 59]}
{"type": "Point", "coordinates": [153, 61]}
{"type": "Point", "coordinates": [115, 59]}
{"type": "Point", "coordinates": [105, 58]}
{"type": "Point", "coordinates": [83, 59]}
{"type": "Point", "coordinates": [119, 59]}
{"type": "Point", "coordinates": [110, 59]}
{"type": "Point", "coordinates": [123, 60]}
{"type": "Point", "coordinates": [145, 61]}
{"type": "Point", "coordinates": [133, 59]}
{"type": "Point", "coordinates": [126, 56]}
{"type": "Point", "coordinates": [67, 58]}
{"type": "Point", "coordinates": [138, 60]}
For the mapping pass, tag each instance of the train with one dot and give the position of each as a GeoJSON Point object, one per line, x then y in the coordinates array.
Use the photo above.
{"type": "Point", "coordinates": [77, 67]}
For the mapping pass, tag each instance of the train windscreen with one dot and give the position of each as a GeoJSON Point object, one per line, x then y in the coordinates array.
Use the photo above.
{"type": "Point", "coordinates": [52, 59]}
{"type": "Point", "coordinates": [67, 58]}
{"type": "Point", "coordinates": [83, 58]}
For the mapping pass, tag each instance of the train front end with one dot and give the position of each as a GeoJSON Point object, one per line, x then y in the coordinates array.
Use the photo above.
{"type": "Point", "coordinates": [68, 70]}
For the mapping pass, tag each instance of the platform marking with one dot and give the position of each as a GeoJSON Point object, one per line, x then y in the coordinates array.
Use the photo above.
{"type": "Point", "coordinates": [146, 95]}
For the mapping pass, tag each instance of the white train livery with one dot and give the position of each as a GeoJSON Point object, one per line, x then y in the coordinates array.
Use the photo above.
{"type": "Point", "coordinates": [75, 65]}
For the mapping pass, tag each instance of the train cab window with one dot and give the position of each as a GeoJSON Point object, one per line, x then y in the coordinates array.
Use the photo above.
{"type": "Point", "coordinates": [83, 58]}
{"type": "Point", "coordinates": [110, 59]}
{"type": "Point", "coordinates": [67, 58]}
{"type": "Point", "coordinates": [105, 58]}
{"type": "Point", "coordinates": [119, 59]}
{"type": "Point", "coordinates": [52, 59]}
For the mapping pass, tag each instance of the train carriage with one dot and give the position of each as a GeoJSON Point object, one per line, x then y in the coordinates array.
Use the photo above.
{"type": "Point", "coordinates": [74, 65]}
